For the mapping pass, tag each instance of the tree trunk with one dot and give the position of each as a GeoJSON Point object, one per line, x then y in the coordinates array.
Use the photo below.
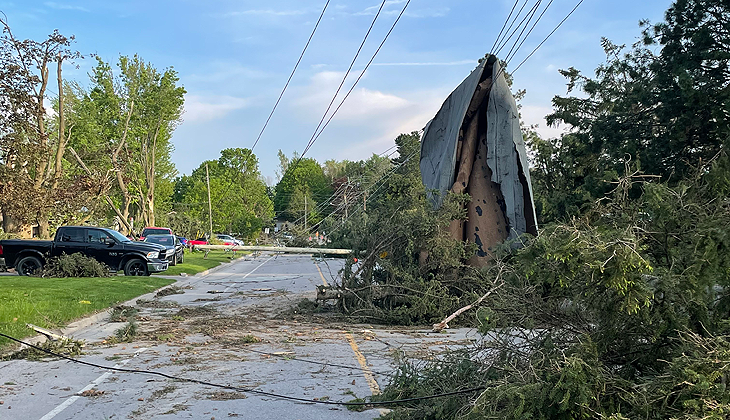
{"type": "Point", "coordinates": [62, 139]}
{"type": "Point", "coordinates": [126, 196]}
{"type": "Point", "coordinates": [40, 174]}
{"type": "Point", "coordinates": [43, 227]}
{"type": "Point", "coordinates": [9, 224]}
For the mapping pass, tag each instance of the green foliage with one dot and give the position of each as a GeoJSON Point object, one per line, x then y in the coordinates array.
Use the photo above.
{"type": "Point", "coordinates": [665, 110]}
{"type": "Point", "coordinates": [123, 125]}
{"type": "Point", "coordinates": [239, 197]}
{"type": "Point", "coordinates": [622, 312]}
{"type": "Point", "coordinates": [122, 313]}
{"type": "Point", "coordinates": [126, 333]}
{"type": "Point", "coordinates": [421, 379]}
{"type": "Point", "coordinates": [409, 271]}
{"type": "Point", "coordinates": [619, 308]}
{"type": "Point", "coordinates": [74, 265]}
{"type": "Point", "coordinates": [302, 187]}
{"type": "Point", "coordinates": [65, 346]}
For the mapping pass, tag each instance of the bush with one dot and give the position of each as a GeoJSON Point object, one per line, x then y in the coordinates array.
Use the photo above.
{"type": "Point", "coordinates": [74, 265]}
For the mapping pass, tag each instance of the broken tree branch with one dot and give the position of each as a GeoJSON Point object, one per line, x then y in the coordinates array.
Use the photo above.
{"type": "Point", "coordinates": [445, 323]}
{"type": "Point", "coordinates": [108, 199]}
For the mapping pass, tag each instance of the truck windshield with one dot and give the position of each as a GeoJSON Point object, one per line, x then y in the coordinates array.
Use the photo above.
{"type": "Point", "coordinates": [160, 239]}
{"type": "Point", "coordinates": [118, 236]}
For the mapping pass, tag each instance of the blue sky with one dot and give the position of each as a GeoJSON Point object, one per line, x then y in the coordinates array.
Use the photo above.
{"type": "Point", "coordinates": [233, 58]}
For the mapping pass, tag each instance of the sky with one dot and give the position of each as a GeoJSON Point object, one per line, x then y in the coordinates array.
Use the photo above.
{"type": "Point", "coordinates": [233, 58]}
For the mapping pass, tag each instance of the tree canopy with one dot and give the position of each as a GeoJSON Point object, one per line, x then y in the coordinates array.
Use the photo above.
{"type": "Point", "coordinates": [239, 197]}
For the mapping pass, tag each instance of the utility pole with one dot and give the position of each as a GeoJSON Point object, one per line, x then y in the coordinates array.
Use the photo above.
{"type": "Point", "coordinates": [305, 212]}
{"type": "Point", "coordinates": [347, 187]}
{"type": "Point", "coordinates": [210, 206]}
{"type": "Point", "coordinates": [365, 201]}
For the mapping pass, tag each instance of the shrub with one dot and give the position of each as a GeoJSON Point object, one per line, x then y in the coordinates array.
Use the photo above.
{"type": "Point", "coordinates": [74, 265]}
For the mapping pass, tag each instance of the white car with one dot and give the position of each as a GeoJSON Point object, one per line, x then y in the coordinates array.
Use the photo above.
{"type": "Point", "coordinates": [229, 238]}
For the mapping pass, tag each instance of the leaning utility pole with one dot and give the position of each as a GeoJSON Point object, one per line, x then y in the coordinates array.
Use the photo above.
{"type": "Point", "coordinates": [210, 207]}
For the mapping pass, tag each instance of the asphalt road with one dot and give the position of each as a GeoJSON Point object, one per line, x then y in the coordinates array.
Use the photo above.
{"type": "Point", "coordinates": [234, 326]}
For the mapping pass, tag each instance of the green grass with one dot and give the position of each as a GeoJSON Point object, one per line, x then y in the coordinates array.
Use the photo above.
{"type": "Point", "coordinates": [53, 303]}
{"type": "Point", "coordinates": [194, 262]}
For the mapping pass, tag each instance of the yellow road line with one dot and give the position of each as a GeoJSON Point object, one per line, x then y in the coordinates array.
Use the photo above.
{"type": "Point", "coordinates": [369, 378]}
{"type": "Point", "coordinates": [321, 275]}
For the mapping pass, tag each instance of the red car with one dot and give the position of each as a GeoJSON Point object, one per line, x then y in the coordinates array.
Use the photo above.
{"type": "Point", "coordinates": [151, 230]}
{"type": "Point", "coordinates": [204, 241]}
{"type": "Point", "coordinates": [199, 241]}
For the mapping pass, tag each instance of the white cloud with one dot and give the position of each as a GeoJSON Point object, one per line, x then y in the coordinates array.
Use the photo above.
{"type": "Point", "coordinates": [221, 73]}
{"type": "Point", "coordinates": [59, 6]}
{"type": "Point", "coordinates": [48, 105]}
{"type": "Point", "coordinates": [388, 10]}
{"type": "Point", "coordinates": [206, 108]}
{"type": "Point", "coordinates": [374, 117]}
{"type": "Point", "coordinates": [361, 103]}
{"type": "Point", "coordinates": [265, 12]}
{"type": "Point", "coordinates": [535, 115]}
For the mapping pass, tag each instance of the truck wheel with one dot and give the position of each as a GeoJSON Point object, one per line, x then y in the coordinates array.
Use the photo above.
{"type": "Point", "coordinates": [135, 267]}
{"type": "Point", "coordinates": [28, 265]}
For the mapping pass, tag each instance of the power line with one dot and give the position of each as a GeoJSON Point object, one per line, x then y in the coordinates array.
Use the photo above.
{"type": "Point", "coordinates": [315, 362]}
{"type": "Point", "coordinates": [323, 204]}
{"type": "Point", "coordinates": [358, 79]}
{"type": "Point", "coordinates": [501, 42]}
{"type": "Point", "coordinates": [509, 58]}
{"type": "Point", "coordinates": [529, 17]}
{"type": "Point", "coordinates": [503, 26]}
{"type": "Point", "coordinates": [548, 36]}
{"type": "Point", "coordinates": [344, 78]}
{"type": "Point", "coordinates": [241, 389]}
{"type": "Point", "coordinates": [530, 13]}
{"type": "Point", "coordinates": [384, 178]}
{"type": "Point", "coordinates": [291, 75]}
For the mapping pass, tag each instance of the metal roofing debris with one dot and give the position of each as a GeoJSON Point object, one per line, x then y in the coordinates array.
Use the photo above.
{"type": "Point", "coordinates": [474, 144]}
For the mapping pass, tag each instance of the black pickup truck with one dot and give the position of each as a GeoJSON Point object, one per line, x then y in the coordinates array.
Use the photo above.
{"type": "Point", "coordinates": [105, 245]}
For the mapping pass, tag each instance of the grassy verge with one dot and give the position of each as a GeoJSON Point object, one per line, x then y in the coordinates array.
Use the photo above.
{"type": "Point", "coordinates": [194, 262]}
{"type": "Point", "coordinates": [52, 303]}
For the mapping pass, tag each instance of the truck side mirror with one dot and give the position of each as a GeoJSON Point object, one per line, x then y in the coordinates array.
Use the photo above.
{"type": "Point", "coordinates": [109, 241]}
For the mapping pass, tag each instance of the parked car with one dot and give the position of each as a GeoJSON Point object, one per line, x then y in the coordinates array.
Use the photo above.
{"type": "Point", "coordinates": [183, 241]}
{"type": "Point", "coordinates": [105, 245]}
{"type": "Point", "coordinates": [174, 250]}
{"type": "Point", "coordinates": [151, 230]}
{"type": "Point", "coordinates": [199, 241]}
{"type": "Point", "coordinates": [228, 239]}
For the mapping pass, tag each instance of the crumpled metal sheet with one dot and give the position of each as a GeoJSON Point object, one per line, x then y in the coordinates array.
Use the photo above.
{"type": "Point", "coordinates": [506, 154]}
{"type": "Point", "coordinates": [441, 136]}
{"type": "Point", "coordinates": [505, 150]}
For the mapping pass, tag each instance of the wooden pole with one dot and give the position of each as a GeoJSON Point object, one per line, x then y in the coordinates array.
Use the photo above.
{"type": "Point", "coordinates": [345, 204]}
{"type": "Point", "coordinates": [210, 206]}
